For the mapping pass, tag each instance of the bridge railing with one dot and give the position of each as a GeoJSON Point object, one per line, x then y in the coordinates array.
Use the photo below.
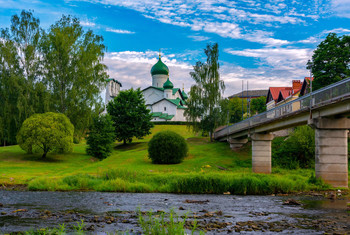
{"type": "Point", "coordinates": [311, 100]}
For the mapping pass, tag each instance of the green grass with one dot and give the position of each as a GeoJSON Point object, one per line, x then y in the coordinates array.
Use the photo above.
{"type": "Point", "coordinates": [129, 169]}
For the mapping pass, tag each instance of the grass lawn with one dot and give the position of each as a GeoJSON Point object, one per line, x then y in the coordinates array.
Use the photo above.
{"type": "Point", "coordinates": [130, 169]}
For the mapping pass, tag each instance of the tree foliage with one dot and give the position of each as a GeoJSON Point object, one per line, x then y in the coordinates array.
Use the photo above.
{"type": "Point", "coordinates": [101, 137]}
{"type": "Point", "coordinates": [21, 91]}
{"type": "Point", "coordinates": [298, 150]}
{"type": "Point", "coordinates": [130, 116]}
{"type": "Point", "coordinates": [57, 70]}
{"type": "Point", "coordinates": [258, 105]}
{"type": "Point", "coordinates": [331, 61]}
{"type": "Point", "coordinates": [167, 147]}
{"type": "Point", "coordinates": [204, 103]}
{"type": "Point", "coordinates": [73, 70]}
{"type": "Point", "coordinates": [47, 132]}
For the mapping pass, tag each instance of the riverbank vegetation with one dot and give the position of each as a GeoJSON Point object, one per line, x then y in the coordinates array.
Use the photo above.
{"type": "Point", "coordinates": [208, 168]}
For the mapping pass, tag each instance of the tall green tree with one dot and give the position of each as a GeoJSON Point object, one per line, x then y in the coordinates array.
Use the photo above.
{"type": "Point", "coordinates": [101, 137]}
{"type": "Point", "coordinates": [73, 71]}
{"type": "Point", "coordinates": [258, 105]}
{"type": "Point", "coordinates": [235, 109]}
{"type": "Point", "coordinates": [130, 115]}
{"type": "Point", "coordinates": [21, 92]}
{"type": "Point", "coordinates": [204, 110]}
{"type": "Point", "coordinates": [331, 61]}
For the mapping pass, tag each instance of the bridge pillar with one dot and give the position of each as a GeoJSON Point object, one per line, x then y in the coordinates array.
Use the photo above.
{"type": "Point", "coordinates": [331, 153]}
{"type": "Point", "coordinates": [261, 152]}
{"type": "Point", "coordinates": [236, 144]}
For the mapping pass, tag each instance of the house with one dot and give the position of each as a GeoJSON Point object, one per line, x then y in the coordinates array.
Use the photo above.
{"type": "Point", "coordinates": [277, 96]}
{"type": "Point", "coordinates": [306, 85]}
{"type": "Point", "coordinates": [250, 94]}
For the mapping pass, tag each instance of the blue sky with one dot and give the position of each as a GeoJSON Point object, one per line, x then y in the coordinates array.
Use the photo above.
{"type": "Point", "coordinates": [264, 42]}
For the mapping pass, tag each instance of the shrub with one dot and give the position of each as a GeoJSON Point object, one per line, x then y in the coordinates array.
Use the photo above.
{"type": "Point", "coordinates": [167, 147]}
{"type": "Point", "coordinates": [47, 132]}
{"type": "Point", "coordinates": [298, 150]}
{"type": "Point", "coordinates": [101, 137]}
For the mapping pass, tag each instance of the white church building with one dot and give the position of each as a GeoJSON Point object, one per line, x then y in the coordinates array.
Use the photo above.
{"type": "Point", "coordinates": [165, 102]}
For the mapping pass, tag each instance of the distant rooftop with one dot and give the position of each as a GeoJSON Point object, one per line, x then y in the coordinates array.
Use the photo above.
{"type": "Point", "coordinates": [250, 93]}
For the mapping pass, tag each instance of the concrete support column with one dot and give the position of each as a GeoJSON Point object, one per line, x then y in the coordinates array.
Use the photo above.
{"type": "Point", "coordinates": [331, 153]}
{"type": "Point", "coordinates": [261, 153]}
{"type": "Point", "coordinates": [236, 144]}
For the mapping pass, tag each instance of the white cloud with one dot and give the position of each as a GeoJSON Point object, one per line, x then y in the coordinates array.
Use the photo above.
{"type": "Point", "coordinates": [341, 8]}
{"type": "Point", "coordinates": [121, 31]}
{"type": "Point", "coordinates": [222, 17]}
{"type": "Point", "coordinates": [132, 68]}
{"type": "Point", "coordinates": [321, 36]}
{"type": "Point", "coordinates": [87, 23]}
{"type": "Point", "coordinates": [199, 38]}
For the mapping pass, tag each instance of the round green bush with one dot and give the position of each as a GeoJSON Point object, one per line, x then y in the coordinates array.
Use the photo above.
{"type": "Point", "coordinates": [167, 147]}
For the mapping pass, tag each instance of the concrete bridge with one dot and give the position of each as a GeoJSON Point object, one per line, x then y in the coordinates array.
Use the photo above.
{"type": "Point", "coordinates": [325, 110]}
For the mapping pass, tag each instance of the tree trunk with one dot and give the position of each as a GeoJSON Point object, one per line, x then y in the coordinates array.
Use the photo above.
{"type": "Point", "coordinates": [44, 155]}
{"type": "Point", "coordinates": [211, 136]}
{"type": "Point", "coordinates": [124, 141]}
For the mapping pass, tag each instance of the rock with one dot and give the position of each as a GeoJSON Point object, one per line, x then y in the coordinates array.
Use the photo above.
{"type": "Point", "coordinates": [91, 228]}
{"type": "Point", "coordinates": [204, 211]}
{"type": "Point", "coordinates": [1, 205]}
{"type": "Point", "coordinates": [181, 208]}
{"type": "Point", "coordinates": [195, 201]}
{"type": "Point", "coordinates": [3, 213]}
{"type": "Point", "coordinates": [108, 222]}
{"type": "Point", "coordinates": [218, 212]}
{"type": "Point", "coordinates": [47, 212]}
{"type": "Point", "coordinates": [291, 202]}
{"type": "Point", "coordinates": [227, 193]}
{"type": "Point", "coordinates": [20, 210]}
{"type": "Point", "coordinates": [332, 196]}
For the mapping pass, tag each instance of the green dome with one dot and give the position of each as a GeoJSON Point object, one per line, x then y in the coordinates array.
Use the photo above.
{"type": "Point", "coordinates": [160, 68]}
{"type": "Point", "coordinates": [168, 84]}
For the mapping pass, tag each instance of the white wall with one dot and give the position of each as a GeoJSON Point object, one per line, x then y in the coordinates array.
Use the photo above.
{"type": "Point", "coordinates": [152, 95]}
{"type": "Point", "coordinates": [170, 108]}
{"type": "Point", "coordinates": [159, 80]}
{"type": "Point", "coordinates": [168, 93]}
{"type": "Point", "coordinates": [180, 115]}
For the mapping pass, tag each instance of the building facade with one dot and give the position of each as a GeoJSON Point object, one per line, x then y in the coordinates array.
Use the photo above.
{"type": "Point", "coordinates": [165, 102]}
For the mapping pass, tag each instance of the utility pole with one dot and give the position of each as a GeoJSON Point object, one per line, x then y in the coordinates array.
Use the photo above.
{"type": "Point", "coordinates": [242, 98]}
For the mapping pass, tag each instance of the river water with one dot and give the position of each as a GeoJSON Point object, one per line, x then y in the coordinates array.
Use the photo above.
{"type": "Point", "coordinates": [111, 212]}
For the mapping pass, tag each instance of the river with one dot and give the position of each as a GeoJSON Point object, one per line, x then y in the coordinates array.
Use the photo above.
{"type": "Point", "coordinates": [111, 212]}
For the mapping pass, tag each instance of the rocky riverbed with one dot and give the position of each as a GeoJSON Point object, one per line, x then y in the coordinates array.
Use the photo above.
{"type": "Point", "coordinates": [111, 212]}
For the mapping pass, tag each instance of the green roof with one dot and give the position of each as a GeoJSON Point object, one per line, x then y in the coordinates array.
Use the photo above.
{"type": "Point", "coordinates": [177, 101]}
{"type": "Point", "coordinates": [156, 114]}
{"type": "Point", "coordinates": [160, 68]}
{"type": "Point", "coordinates": [162, 115]}
{"type": "Point", "coordinates": [168, 84]}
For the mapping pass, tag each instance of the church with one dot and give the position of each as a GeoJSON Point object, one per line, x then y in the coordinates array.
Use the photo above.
{"type": "Point", "coordinates": [165, 102]}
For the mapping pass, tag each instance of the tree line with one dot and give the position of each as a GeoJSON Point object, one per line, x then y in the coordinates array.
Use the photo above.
{"type": "Point", "coordinates": [55, 70]}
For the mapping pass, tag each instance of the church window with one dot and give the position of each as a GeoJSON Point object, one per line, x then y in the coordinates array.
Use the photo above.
{"type": "Point", "coordinates": [164, 108]}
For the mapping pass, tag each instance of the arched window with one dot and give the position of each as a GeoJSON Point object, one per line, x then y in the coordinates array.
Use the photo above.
{"type": "Point", "coordinates": [164, 108]}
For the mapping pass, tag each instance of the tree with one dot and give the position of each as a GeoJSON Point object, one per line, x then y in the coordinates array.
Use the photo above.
{"type": "Point", "coordinates": [204, 108]}
{"type": "Point", "coordinates": [167, 147]}
{"type": "Point", "coordinates": [20, 91]}
{"type": "Point", "coordinates": [330, 61]}
{"type": "Point", "coordinates": [235, 109]}
{"type": "Point", "coordinates": [258, 105]}
{"type": "Point", "coordinates": [130, 116]}
{"type": "Point", "coordinates": [73, 71]}
{"type": "Point", "coordinates": [45, 133]}
{"type": "Point", "coordinates": [101, 137]}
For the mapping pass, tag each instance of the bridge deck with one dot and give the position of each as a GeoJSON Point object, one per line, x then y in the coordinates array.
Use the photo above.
{"type": "Point", "coordinates": [328, 101]}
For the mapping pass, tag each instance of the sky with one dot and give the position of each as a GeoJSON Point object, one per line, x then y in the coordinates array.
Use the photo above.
{"type": "Point", "coordinates": [265, 43]}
